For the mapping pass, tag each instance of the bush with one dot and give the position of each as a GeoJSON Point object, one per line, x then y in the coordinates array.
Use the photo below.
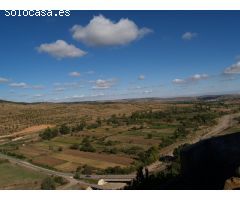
{"type": "Point", "coordinates": [74, 146]}
{"type": "Point", "coordinates": [60, 180]}
{"type": "Point", "coordinates": [132, 150]}
{"type": "Point", "coordinates": [110, 150]}
{"type": "Point", "coordinates": [48, 184]}
{"type": "Point", "coordinates": [87, 146]}
{"type": "Point", "coordinates": [49, 133]}
{"type": "Point", "coordinates": [150, 156]}
{"type": "Point", "coordinates": [64, 129]}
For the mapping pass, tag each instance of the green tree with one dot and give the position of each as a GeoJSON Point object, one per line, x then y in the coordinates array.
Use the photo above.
{"type": "Point", "coordinates": [48, 184]}
{"type": "Point", "coordinates": [64, 129]}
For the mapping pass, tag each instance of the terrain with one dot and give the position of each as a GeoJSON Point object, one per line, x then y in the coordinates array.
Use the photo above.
{"type": "Point", "coordinates": [85, 142]}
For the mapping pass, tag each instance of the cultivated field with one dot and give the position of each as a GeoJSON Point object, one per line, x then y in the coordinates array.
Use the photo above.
{"type": "Point", "coordinates": [16, 177]}
{"type": "Point", "coordinates": [103, 138]}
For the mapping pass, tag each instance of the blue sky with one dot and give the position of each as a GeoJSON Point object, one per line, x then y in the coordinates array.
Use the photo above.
{"type": "Point", "coordinates": [97, 55]}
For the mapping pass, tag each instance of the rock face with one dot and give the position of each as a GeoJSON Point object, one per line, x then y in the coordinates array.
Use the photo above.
{"type": "Point", "coordinates": [208, 163]}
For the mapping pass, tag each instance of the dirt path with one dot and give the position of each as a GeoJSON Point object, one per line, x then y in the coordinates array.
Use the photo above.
{"type": "Point", "coordinates": [67, 176]}
{"type": "Point", "coordinates": [27, 131]}
{"type": "Point", "coordinates": [223, 123]}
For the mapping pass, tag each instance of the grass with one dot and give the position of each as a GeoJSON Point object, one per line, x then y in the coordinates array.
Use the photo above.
{"type": "Point", "coordinates": [12, 175]}
{"type": "Point", "coordinates": [88, 180]}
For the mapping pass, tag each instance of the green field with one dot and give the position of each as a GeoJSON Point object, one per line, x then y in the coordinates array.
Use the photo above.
{"type": "Point", "coordinates": [17, 177]}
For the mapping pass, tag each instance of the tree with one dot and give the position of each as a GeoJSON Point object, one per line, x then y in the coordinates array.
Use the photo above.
{"type": "Point", "coordinates": [49, 133]}
{"type": "Point", "coordinates": [64, 129]}
{"type": "Point", "coordinates": [140, 175]}
{"type": "Point", "coordinates": [48, 184]}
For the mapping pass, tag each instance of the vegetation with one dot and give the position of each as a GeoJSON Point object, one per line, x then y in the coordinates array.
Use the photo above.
{"type": "Point", "coordinates": [106, 137]}
{"type": "Point", "coordinates": [48, 184]}
{"type": "Point", "coordinates": [49, 133]}
{"type": "Point", "coordinates": [87, 146]}
{"type": "Point", "coordinates": [51, 182]}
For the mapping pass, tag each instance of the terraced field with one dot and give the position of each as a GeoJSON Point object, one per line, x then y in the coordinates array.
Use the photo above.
{"type": "Point", "coordinates": [104, 136]}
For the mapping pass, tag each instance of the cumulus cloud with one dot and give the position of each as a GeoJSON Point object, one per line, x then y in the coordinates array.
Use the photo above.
{"type": "Point", "coordinates": [103, 32]}
{"type": "Point", "coordinates": [104, 84]}
{"type": "Point", "coordinates": [141, 77]}
{"type": "Point", "coordinates": [3, 80]}
{"type": "Point", "coordinates": [61, 49]}
{"type": "Point", "coordinates": [194, 78]}
{"type": "Point", "coordinates": [233, 69]}
{"type": "Point", "coordinates": [74, 74]}
{"type": "Point", "coordinates": [189, 35]}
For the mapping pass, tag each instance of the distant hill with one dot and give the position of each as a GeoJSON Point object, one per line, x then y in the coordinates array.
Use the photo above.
{"type": "Point", "coordinates": [152, 99]}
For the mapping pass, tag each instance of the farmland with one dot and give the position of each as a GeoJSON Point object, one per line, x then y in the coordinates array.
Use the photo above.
{"type": "Point", "coordinates": [16, 177]}
{"type": "Point", "coordinates": [103, 138]}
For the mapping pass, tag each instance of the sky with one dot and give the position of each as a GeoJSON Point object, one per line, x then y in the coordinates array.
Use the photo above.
{"type": "Point", "coordinates": [106, 55]}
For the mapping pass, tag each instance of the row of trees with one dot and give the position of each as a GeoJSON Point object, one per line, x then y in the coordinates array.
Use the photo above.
{"type": "Point", "coordinates": [50, 133]}
{"type": "Point", "coordinates": [51, 182]}
{"type": "Point", "coordinates": [84, 146]}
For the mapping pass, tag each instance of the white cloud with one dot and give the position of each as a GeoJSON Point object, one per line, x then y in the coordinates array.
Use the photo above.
{"type": "Point", "coordinates": [103, 32]}
{"type": "Point", "coordinates": [141, 77]}
{"type": "Point", "coordinates": [178, 81]}
{"type": "Point", "coordinates": [74, 74]}
{"type": "Point", "coordinates": [38, 95]}
{"type": "Point", "coordinates": [198, 77]}
{"type": "Point", "coordinates": [59, 89]}
{"type": "Point", "coordinates": [61, 49]}
{"type": "Point", "coordinates": [19, 85]}
{"type": "Point", "coordinates": [147, 91]}
{"type": "Point", "coordinates": [97, 95]}
{"type": "Point", "coordinates": [189, 35]}
{"type": "Point", "coordinates": [3, 80]}
{"type": "Point", "coordinates": [104, 84]}
{"type": "Point", "coordinates": [25, 85]}
{"type": "Point", "coordinates": [233, 69]}
{"type": "Point", "coordinates": [78, 96]}
{"type": "Point", "coordinates": [194, 78]}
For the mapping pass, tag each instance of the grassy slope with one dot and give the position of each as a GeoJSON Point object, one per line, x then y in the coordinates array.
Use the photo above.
{"type": "Point", "coordinates": [12, 174]}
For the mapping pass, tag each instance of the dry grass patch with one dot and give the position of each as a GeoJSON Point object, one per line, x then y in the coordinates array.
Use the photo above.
{"type": "Point", "coordinates": [67, 167]}
{"type": "Point", "coordinates": [121, 160]}
{"type": "Point", "coordinates": [48, 160]}
{"type": "Point", "coordinates": [81, 161]}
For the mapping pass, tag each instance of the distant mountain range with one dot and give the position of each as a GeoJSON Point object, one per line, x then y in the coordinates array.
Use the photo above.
{"type": "Point", "coordinates": [157, 99]}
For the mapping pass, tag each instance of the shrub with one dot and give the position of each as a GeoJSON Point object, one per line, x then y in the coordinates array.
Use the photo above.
{"type": "Point", "coordinates": [48, 184]}
{"type": "Point", "coordinates": [64, 129]}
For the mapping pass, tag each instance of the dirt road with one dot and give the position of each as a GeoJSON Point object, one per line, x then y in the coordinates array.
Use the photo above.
{"type": "Point", "coordinates": [223, 123]}
{"type": "Point", "coordinates": [67, 176]}
{"type": "Point", "coordinates": [27, 131]}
